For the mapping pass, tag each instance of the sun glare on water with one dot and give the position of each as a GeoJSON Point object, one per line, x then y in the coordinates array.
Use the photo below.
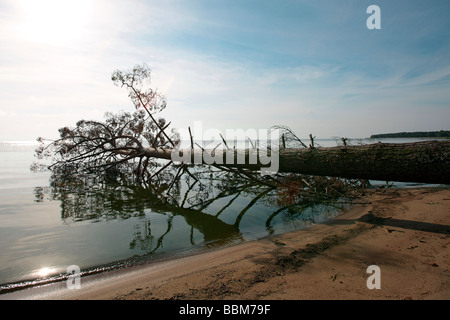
{"type": "Point", "coordinates": [57, 22]}
{"type": "Point", "coordinates": [45, 271]}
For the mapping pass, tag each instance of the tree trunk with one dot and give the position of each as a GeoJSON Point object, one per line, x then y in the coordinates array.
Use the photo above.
{"type": "Point", "coordinates": [425, 162]}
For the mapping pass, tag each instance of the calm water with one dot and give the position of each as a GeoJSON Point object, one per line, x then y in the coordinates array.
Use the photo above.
{"type": "Point", "coordinates": [41, 233]}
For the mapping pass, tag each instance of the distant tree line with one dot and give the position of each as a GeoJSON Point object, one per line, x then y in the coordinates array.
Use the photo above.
{"type": "Point", "coordinates": [416, 134]}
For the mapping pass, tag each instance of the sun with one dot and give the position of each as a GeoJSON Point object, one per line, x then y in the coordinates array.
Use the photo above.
{"type": "Point", "coordinates": [57, 22]}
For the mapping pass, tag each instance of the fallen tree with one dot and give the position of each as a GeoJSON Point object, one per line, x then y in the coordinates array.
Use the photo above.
{"type": "Point", "coordinates": [127, 146]}
{"type": "Point", "coordinates": [425, 161]}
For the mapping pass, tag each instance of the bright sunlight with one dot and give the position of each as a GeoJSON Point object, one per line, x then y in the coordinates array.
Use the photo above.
{"type": "Point", "coordinates": [56, 22]}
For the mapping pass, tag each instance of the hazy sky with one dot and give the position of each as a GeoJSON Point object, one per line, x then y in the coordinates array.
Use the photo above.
{"type": "Point", "coordinates": [310, 65]}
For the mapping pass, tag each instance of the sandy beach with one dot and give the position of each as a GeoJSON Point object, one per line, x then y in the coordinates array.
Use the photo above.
{"type": "Point", "coordinates": [405, 232]}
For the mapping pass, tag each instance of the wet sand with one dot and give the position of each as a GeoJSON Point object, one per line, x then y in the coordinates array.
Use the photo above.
{"type": "Point", "coordinates": [405, 232]}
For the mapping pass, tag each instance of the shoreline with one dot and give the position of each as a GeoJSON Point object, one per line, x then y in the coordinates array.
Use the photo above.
{"type": "Point", "coordinates": [406, 232]}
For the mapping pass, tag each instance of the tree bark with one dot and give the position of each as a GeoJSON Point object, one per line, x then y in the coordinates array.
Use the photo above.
{"type": "Point", "coordinates": [427, 162]}
{"type": "Point", "coordinates": [424, 162]}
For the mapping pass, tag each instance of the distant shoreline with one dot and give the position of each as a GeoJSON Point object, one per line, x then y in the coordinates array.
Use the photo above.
{"type": "Point", "coordinates": [416, 134]}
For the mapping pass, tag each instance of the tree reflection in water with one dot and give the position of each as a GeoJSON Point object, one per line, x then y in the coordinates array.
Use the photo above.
{"type": "Point", "coordinates": [200, 197]}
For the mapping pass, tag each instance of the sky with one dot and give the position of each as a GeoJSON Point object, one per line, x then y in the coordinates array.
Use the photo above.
{"type": "Point", "coordinates": [314, 66]}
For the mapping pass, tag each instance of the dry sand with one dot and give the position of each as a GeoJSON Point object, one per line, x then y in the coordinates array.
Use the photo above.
{"type": "Point", "coordinates": [405, 232]}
